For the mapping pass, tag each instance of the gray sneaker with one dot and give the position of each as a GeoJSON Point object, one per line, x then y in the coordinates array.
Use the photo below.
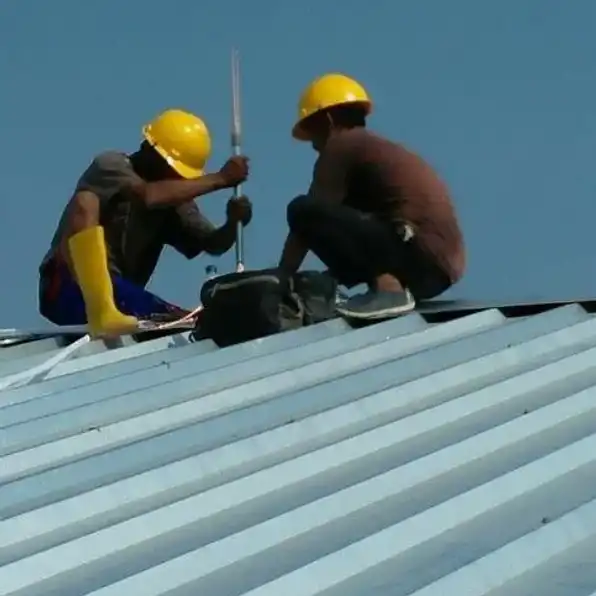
{"type": "Point", "coordinates": [377, 305]}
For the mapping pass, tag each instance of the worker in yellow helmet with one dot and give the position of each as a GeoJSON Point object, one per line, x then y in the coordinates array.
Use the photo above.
{"type": "Point", "coordinates": [376, 213]}
{"type": "Point", "coordinates": [124, 209]}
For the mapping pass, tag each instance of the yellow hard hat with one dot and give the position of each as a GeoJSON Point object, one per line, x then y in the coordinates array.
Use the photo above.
{"type": "Point", "coordinates": [182, 139]}
{"type": "Point", "coordinates": [325, 92]}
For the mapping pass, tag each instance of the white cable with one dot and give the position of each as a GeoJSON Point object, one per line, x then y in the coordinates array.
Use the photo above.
{"type": "Point", "coordinates": [41, 332]}
{"type": "Point", "coordinates": [41, 370]}
{"type": "Point", "coordinates": [37, 373]}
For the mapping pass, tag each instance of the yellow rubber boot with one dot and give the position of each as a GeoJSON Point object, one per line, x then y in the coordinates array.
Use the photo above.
{"type": "Point", "coordinates": [89, 259]}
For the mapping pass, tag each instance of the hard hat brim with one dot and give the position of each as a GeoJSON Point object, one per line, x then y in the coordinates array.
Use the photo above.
{"type": "Point", "coordinates": [180, 168]}
{"type": "Point", "coordinates": [300, 134]}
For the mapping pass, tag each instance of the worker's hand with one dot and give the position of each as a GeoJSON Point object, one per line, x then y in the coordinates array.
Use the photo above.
{"type": "Point", "coordinates": [239, 210]}
{"type": "Point", "coordinates": [235, 171]}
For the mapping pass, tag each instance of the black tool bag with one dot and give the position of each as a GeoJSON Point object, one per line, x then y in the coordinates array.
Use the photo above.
{"type": "Point", "coordinates": [239, 307]}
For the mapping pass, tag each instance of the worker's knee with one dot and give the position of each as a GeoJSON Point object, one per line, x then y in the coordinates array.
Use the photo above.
{"type": "Point", "coordinates": [300, 213]}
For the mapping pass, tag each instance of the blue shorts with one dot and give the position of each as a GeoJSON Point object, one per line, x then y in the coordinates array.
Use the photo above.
{"type": "Point", "coordinates": [62, 303]}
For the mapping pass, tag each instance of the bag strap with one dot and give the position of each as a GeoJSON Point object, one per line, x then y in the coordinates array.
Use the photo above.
{"type": "Point", "coordinates": [298, 302]}
{"type": "Point", "coordinates": [242, 282]}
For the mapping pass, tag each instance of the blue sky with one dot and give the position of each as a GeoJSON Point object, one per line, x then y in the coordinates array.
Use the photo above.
{"type": "Point", "coordinates": [499, 96]}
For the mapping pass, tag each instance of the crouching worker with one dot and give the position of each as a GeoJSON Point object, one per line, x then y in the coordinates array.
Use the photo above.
{"type": "Point", "coordinates": [124, 210]}
{"type": "Point", "coordinates": [375, 213]}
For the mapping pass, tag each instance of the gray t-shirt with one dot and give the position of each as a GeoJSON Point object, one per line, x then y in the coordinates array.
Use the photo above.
{"type": "Point", "coordinates": [136, 235]}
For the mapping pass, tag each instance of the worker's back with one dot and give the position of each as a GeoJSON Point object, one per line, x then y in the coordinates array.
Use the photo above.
{"type": "Point", "coordinates": [397, 185]}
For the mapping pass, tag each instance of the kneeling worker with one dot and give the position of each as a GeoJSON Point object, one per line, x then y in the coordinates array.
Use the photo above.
{"type": "Point", "coordinates": [124, 210]}
{"type": "Point", "coordinates": [376, 213]}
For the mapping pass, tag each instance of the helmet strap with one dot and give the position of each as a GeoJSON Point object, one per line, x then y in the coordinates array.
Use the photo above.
{"type": "Point", "coordinates": [330, 120]}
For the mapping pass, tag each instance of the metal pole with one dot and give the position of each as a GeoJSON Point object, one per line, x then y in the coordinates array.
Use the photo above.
{"type": "Point", "coordinates": [236, 148]}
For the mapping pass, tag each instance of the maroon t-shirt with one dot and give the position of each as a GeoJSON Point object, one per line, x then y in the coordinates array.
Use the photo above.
{"type": "Point", "coordinates": [375, 175]}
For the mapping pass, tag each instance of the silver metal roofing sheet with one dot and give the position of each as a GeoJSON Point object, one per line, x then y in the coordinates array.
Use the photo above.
{"type": "Point", "coordinates": [402, 458]}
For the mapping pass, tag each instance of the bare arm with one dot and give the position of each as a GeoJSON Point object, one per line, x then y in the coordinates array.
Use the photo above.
{"type": "Point", "coordinates": [329, 184]}
{"type": "Point", "coordinates": [293, 254]}
{"type": "Point", "coordinates": [83, 211]}
{"type": "Point", "coordinates": [222, 239]}
{"type": "Point", "coordinates": [105, 176]}
{"type": "Point", "coordinates": [173, 193]}
{"type": "Point", "coordinates": [111, 173]}
{"type": "Point", "coordinates": [191, 233]}
{"type": "Point", "coordinates": [331, 189]}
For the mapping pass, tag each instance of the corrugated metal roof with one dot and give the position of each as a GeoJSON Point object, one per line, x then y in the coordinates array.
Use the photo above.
{"type": "Point", "coordinates": [451, 459]}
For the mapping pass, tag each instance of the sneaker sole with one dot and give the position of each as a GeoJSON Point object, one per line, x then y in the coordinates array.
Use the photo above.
{"type": "Point", "coordinates": [383, 314]}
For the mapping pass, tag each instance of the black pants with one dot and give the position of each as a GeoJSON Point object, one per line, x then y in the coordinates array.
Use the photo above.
{"type": "Point", "coordinates": [357, 247]}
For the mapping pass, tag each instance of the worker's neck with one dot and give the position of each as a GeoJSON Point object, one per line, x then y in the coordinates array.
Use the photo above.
{"type": "Point", "coordinates": [140, 165]}
{"type": "Point", "coordinates": [332, 133]}
{"type": "Point", "coordinates": [338, 130]}
{"type": "Point", "coordinates": [136, 161]}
